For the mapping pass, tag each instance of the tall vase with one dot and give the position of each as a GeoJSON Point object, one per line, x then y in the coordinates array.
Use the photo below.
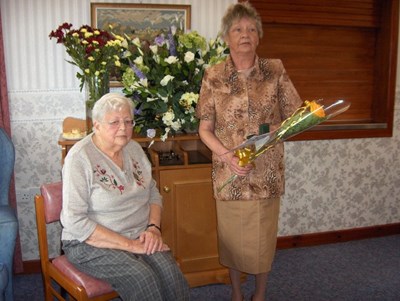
{"type": "Point", "coordinates": [95, 87]}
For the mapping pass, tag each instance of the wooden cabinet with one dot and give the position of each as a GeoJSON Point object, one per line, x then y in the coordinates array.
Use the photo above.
{"type": "Point", "coordinates": [182, 169]}
{"type": "Point", "coordinates": [189, 223]}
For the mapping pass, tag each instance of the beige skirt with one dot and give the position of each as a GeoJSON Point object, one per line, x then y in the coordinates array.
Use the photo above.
{"type": "Point", "coordinates": [247, 233]}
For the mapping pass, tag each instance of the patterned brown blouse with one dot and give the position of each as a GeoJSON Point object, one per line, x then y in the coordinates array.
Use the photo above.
{"type": "Point", "coordinates": [239, 104]}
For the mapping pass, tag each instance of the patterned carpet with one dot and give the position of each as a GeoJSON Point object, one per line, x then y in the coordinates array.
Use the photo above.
{"type": "Point", "coordinates": [363, 270]}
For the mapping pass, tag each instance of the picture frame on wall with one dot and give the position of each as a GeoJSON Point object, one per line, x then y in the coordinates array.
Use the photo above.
{"type": "Point", "coordinates": [145, 21]}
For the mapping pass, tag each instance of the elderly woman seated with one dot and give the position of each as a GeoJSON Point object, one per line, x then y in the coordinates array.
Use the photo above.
{"type": "Point", "coordinates": [111, 212]}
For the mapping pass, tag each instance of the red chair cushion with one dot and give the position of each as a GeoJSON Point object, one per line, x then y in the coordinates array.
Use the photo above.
{"type": "Point", "coordinates": [52, 196]}
{"type": "Point", "coordinates": [94, 287]}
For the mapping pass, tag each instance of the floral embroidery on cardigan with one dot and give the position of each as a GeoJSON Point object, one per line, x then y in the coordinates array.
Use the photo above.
{"type": "Point", "coordinates": [138, 174]}
{"type": "Point", "coordinates": [107, 180]}
{"type": "Point", "coordinates": [110, 181]}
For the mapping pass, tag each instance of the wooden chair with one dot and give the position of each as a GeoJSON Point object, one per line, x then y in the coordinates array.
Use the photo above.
{"type": "Point", "coordinates": [78, 285]}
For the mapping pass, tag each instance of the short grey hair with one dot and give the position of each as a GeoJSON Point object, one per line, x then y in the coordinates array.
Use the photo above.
{"type": "Point", "coordinates": [111, 102]}
{"type": "Point", "coordinates": [238, 11]}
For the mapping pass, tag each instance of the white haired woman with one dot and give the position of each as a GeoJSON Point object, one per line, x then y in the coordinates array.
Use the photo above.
{"type": "Point", "coordinates": [111, 213]}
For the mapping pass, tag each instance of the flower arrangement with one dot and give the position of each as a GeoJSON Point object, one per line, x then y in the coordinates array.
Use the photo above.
{"type": "Point", "coordinates": [309, 115]}
{"type": "Point", "coordinates": [94, 52]}
{"type": "Point", "coordinates": [163, 77]}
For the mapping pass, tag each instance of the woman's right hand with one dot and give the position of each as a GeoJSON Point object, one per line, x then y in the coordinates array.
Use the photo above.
{"type": "Point", "coordinates": [206, 132]}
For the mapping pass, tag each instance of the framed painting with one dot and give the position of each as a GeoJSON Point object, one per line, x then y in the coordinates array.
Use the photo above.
{"type": "Point", "coordinates": [145, 21]}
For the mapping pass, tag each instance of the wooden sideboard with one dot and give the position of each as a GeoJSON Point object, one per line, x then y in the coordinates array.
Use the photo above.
{"type": "Point", "coordinates": [182, 169]}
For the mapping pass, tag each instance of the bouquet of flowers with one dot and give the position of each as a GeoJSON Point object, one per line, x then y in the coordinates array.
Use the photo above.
{"type": "Point", "coordinates": [163, 77]}
{"type": "Point", "coordinates": [93, 51]}
{"type": "Point", "coordinates": [309, 115]}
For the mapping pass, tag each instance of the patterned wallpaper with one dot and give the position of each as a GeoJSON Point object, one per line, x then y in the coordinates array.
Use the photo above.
{"type": "Point", "coordinates": [330, 184]}
{"type": "Point", "coordinates": [341, 184]}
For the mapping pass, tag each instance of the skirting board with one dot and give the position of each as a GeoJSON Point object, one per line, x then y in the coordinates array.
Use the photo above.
{"type": "Point", "coordinates": [296, 241]}
{"type": "Point", "coordinates": [313, 239]}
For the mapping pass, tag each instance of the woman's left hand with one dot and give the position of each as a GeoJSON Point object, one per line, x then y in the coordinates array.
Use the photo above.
{"type": "Point", "coordinates": [233, 162]}
{"type": "Point", "coordinates": [152, 240]}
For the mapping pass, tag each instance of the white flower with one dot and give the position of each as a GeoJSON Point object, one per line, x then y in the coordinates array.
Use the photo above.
{"type": "Point", "coordinates": [143, 82]}
{"type": "Point", "coordinates": [168, 117]}
{"type": "Point", "coordinates": [166, 80]}
{"type": "Point", "coordinates": [136, 42]}
{"type": "Point", "coordinates": [139, 61]}
{"type": "Point", "coordinates": [200, 62]}
{"type": "Point", "coordinates": [163, 98]}
{"type": "Point", "coordinates": [189, 98]}
{"type": "Point", "coordinates": [171, 59]}
{"type": "Point", "coordinates": [124, 43]}
{"type": "Point", "coordinates": [156, 58]}
{"type": "Point", "coordinates": [126, 54]}
{"type": "Point", "coordinates": [165, 136]}
{"type": "Point", "coordinates": [154, 48]}
{"type": "Point", "coordinates": [189, 56]}
{"type": "Point", "coordinates": [151, 133]}
{"type": "Point", "coordinates": [133, 87]}
{"type": "Point", "coordinates": [176, 126]}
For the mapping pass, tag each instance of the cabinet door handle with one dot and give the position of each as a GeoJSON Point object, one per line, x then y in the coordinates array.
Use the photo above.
{"type": "Point", "coordinates": [166, 189]}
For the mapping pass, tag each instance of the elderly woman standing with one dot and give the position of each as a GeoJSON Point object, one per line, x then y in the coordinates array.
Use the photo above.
{"type": "Point", "coordinates": [238, 97]}
{"type": "Point", "coordinates": [111, 213]}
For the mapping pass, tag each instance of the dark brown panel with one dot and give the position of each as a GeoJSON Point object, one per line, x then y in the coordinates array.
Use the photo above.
{"type": "Point", "coordinates": [338, 49]}
{"type": "Point", "coordinates": [328, 12]}
{"type": "Point", "coordinates": [326, 63]}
